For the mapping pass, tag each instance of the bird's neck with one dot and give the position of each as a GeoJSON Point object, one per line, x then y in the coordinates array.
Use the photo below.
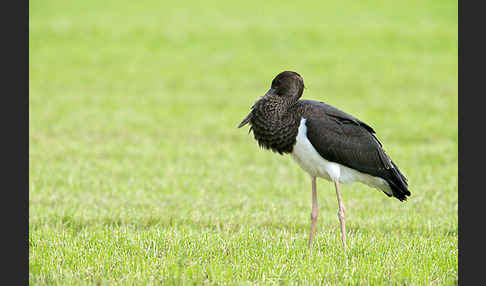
{"type": "Point", "coordinates": [274, 108]}
{"type": "Point", "coordinates": [275, 126]}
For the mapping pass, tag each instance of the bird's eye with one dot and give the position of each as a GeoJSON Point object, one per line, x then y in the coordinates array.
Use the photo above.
{"type": "Point", "coordinates": [276, 82]}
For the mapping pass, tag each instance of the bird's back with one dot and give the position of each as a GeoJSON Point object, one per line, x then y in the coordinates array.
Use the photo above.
{"type": "Point", "coordinates": [344, 139]}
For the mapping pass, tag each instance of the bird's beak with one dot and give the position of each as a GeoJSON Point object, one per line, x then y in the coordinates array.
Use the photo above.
{"type": "Point", "coordinates": [270, 91]}
{"type": "Point", "coordinates": [250, 115]}
{"type": "Point", "coordinates": [246, 120]}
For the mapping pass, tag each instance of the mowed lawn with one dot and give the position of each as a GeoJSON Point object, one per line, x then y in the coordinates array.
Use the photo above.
{"type": "Point", "coordinates": [139, 176]}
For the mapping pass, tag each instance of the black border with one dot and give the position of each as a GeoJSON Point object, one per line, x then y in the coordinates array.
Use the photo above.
{"type": "Point", "coordinates": [15, 141]}
{"type": "Point", "coordinates": [471, 47]}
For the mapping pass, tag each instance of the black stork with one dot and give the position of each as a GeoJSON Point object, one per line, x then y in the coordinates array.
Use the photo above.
{"type": "Point", "coordinates": [325, 141]}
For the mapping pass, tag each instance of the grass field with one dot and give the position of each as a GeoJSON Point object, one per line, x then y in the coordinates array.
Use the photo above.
{"type": "Point", "coordinates": [139, 176]}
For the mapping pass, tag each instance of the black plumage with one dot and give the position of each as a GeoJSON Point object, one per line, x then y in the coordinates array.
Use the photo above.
{"type": "Point", "coordinates": [337, 136]}
{"type": "Point", "coordinates": [341, 138]}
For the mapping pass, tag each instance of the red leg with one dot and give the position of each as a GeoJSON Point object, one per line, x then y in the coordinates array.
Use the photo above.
{"type": "Point", "coordinates": [341, 213]}
{"type": "Point", "coordinates": [314, 213]}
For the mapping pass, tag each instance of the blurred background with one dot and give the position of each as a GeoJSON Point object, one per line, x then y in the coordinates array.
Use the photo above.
{"type": "Point", "coordinates": [134, 108]}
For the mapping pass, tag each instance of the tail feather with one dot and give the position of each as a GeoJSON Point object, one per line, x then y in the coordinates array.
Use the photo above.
{"type": "Point", "coordinates": [398, 183]}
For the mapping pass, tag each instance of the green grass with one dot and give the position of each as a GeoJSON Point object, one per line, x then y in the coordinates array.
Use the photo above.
{"type": "Point", "coordinates": [138, 174]}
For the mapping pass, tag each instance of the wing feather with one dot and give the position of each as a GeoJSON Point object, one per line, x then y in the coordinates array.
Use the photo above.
{"type": "Point", "coordinates": [347, 143]}
{"type": "Point", "coordinates": [341, 138]}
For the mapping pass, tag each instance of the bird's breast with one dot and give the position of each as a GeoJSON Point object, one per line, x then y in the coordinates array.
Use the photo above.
{"type": "Point", "coordinates": [276, 134]}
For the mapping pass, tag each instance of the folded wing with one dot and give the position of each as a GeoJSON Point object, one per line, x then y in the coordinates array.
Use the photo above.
{"type": "Point", "coordinates": [341, 138]}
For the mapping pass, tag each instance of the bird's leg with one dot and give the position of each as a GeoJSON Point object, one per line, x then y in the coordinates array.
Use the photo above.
{"type": "Point", "coordinates": [314, 213]}
{"type": "Point", "coordinates": [341, 213]}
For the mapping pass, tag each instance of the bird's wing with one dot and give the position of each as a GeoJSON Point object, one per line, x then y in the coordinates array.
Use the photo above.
{"type": "Point", "coordinates": [340, 137]}
{"type": "Point", "coordinates": [322, 109]}
{"type": "Point", "coordinates": [347, 143]}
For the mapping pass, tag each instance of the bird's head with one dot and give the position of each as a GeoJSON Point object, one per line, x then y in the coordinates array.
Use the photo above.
{"type": "Point", "coordinates": [287, 86]}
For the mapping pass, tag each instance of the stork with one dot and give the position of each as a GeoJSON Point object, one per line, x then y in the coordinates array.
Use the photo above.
{"type": "Point", "coordinates": [324, 141]}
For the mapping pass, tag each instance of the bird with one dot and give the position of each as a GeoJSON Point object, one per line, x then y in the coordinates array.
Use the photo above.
{"type": "Point", "coordinates": [324, 141]}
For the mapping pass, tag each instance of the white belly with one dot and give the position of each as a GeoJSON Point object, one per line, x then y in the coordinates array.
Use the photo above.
{"type": "Point", "coordinates": [309, 159]}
